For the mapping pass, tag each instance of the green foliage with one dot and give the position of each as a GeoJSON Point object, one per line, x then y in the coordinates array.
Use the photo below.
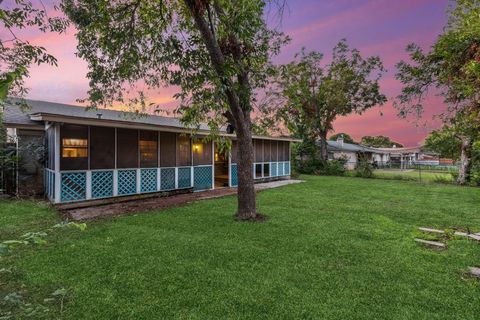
{"type": "Point", "coordinates": [71, 225]}
{"type": "Point", "coordinates": [216, 53]}
{"type": "Point", "coordinates": [346, 137]}
{"type": "Point", "coordinates": [379, 142]}
{"type": "Point", "coordinates": [332, 167]}
{"type": "Point", "coordinates": [18, 55]}
{"type": "Point", "coordinates": [307, 95]}
{"type": "Point", "coordinates": [364, 168]}
{"type": "Point", "coordinates": [444, 142]}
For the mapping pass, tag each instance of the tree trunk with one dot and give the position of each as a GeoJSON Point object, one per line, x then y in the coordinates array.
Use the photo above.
{"type": "Point", "coordinates": [239, 111]}
{"type": "Point", "coordinates": [323, 145]}
{"type": "Point", "coordinates": [246, 190]}
{"type": "Point", "coordinates": [465, 161]}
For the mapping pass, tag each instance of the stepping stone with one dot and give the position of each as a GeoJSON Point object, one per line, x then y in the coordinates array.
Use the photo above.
{"type": "Point", "coordinates": [431, 230]}
{"type": "Point", "coordinates": [433, 244]}
{"type": "Point", "coordinates": [474, 271]}
{"type": "Point", "coordinates": [475, 236]}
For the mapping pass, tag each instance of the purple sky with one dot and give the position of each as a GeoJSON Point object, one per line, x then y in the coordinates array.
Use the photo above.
{"type": "Point", "coordinates": [375, 27]}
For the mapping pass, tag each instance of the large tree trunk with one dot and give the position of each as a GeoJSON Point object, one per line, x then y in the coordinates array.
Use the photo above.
{"type": "Point", "coordinates": [323, 145]}
{"type": "Point", "coordinates": [465, 161]}
{"type": "Point", "coordinates": [246, 190]}
{"type": "Point", "coordinates": [239, 109]}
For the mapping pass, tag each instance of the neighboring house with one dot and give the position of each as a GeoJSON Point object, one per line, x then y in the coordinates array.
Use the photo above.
{"type": "Point", "coordinates": [352, 152]}
{"type": "Point", "coordinates": [97, 154]}
{"type": "Point", "coordinates": [382, 157]}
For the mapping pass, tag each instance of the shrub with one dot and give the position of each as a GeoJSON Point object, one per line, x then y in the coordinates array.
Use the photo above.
{"type": "Point", "coordinates": [332, 168]}
{"type": "Point", "coordinates": [364, 169]}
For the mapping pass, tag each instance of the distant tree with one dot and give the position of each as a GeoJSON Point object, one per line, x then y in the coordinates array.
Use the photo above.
{"type": "Point", "coordinates": [16, 55]}
{"type": "Point", "coordinates": [216, 52]}
{"type": "Point", "coordinates": [308, 95]}
{"type": "Point", "coordinates": [444, 142]}
{"type": "Point", "coordinates": [379, 142]}
{"type": "Point", "coordinates": [452, 67]}
{"type": "Point", "coordinates": [346, 137]}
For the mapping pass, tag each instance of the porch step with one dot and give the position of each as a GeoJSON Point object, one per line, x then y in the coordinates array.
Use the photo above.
{"type": "Point", "coordinates": [433, 244]}
{"type": "Point", "coordinates": [473, 236]}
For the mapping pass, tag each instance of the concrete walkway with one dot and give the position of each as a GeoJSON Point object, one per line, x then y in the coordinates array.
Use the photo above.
{"type": "Point", "coordinates": [159, 202]}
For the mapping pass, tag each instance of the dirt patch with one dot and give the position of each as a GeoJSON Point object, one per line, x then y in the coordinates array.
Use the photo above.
{"type": "Point", "coordinates": [148, 204]}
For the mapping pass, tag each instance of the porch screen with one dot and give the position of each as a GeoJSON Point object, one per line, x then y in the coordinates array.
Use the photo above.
{"type": "Point", "coordinates": [267, 153]}
{"type": "Point", "coordinates": [50, 147]}
{"type": "Point", "coordinates": [148, 143]}
{"type": "Point", "coordinates": [281, 151]}
{"type": "Point", "coordinates": [167, 149]}
{"type": "Point", "coordinates": [184, 151]}
{"type": "Point", "coordinates": [74, 147]}
{"type": "Point", "coordinates": [202, 153]}
{"type": "Point", "coordinates": [286, 151]}
{"type": "Point", "coordinates": [102, 148]}
{"type": "Point", "coordinates": [127, 148]}
{"type": "Point", "coordinates": [274, 150]}
{"type": "Point", "coordinates": [258, 146]}
{"type": "Point", "coordinates": [234, 151]}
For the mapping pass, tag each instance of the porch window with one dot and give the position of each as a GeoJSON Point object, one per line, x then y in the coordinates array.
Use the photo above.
{"type": "Point", "coordinates": [266, 170]}
{"type": "Point", "coordinates": [184, 151]}
{"type": "Point", "coordinates": [202, 153]}
{"type": "Point", "coordinates": [258, 170]}
{"type": "Point", "coordinates": [148, 144]}
{"type": "Point", "coordinates": [74, 147]}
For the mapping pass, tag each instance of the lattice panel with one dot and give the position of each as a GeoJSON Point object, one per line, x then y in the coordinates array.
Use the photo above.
{"type": "Point", "coordinates": [102, 184]}
{"type": "Point", "coordinates": [233, 172]}
{"type": "Point", "coordinates": [127, 182]}
{"type": "Point", "coordinates": [202, 178]}
{"type": "Point", "coordinates": [167, 179]}
{"type": "Point", "coordinates": [73, 186]}
{"type": "Point", "coordinates": [273, 167]}
{"type": "Point", "coordinates": [49, 182]}
{"type": "Point", "coordinates": [280, 169]}
{"type": "Point", "coordinates": [184, 178]}
{"type": "Point", "coordinates": [148, 180]}
{"type": "Point", "coordinates": [287, 168]}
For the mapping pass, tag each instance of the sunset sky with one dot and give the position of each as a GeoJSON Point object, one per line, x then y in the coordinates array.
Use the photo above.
{"type": "Point", "coordinates": [375, 27]}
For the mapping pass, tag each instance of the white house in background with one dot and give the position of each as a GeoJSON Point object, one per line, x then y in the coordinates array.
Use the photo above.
{"type": "Point", "coordinates": [351, 152]}
{"type": "Point", "coordinates": [401, 157]}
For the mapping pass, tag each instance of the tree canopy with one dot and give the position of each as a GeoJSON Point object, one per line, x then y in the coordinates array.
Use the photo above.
{"type": "Point", "coordinates": [308, 95]}
{"type": "Point", "coordinates": [379, 142]}
{"type": "Point", "coordinates": [346, 137]}
{"type": "Point", "coordinates": [16, 55]}
{"type": "Point", "coordinates": [452, 68]}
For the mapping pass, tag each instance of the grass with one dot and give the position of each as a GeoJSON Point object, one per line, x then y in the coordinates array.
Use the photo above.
{"type": "Point", "coordinates": [414, 175]}
{"type": "Point", "coordinates": [333, 248]}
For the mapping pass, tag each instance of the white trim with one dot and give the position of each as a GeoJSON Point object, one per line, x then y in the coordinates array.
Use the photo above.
{"type": "Point", "coordinates": [139, 182]}
{"type": "Point", "coordinates": [176, 177]}
{"type": "Point", "coordinates": [158, 179]}
{"type": "Point", "coordinates": [229, 168]}
{"type": "Point", "coordinates": [58, 178]}
{"type": "Point", "coordinates": [213, 165]}
{"type": "Point", "coordinates": [88, 185]}
{"type": "Point", "coordinates": [116, 148]}
{"type": "Point", "coordinates": [115, 182]}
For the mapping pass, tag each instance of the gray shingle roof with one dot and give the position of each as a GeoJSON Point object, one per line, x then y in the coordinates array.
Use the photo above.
{"type": "Point", "coordinates": [14, 115]}
{"type": "Point", "coordinates": [349, 147]}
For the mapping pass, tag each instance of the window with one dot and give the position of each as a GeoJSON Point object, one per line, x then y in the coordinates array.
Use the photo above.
{"type": "Point", "coordinates": [127, 148]}
{"type": "Point", "coordinates": [167, 149]}
{"type": "Point", "coordinates": [74, 147]}
{"type": "Point", "coordinates": [148, 144]}
{"type": "Point", "coordinates": [266, 169]}
{"type": "Point", "coordinates": [102, 148]}
{"type": "Point", "coordinates": [202, 153]}
{"type": "Point", "coordinates": [184, 151]}
{"type": "Point", "coordinates": [258, 170]}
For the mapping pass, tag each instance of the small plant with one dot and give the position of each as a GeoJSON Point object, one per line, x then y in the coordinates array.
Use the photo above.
{"type": "Point", "coordinates": [71, 225]}
{"type": "Point", "coordinates": [364, 168]}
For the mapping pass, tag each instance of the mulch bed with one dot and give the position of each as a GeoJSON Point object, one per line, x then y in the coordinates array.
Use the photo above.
{"type": "Point", "coordinates": [148, 204]}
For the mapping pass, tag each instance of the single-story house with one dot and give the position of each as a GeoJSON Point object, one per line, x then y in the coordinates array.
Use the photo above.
{"type": "Point", "coordinates": [352, 152]}
{"type": "Point", "coordinates": [98, 154]}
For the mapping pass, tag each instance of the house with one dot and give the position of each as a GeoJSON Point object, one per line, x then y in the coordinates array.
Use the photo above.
{"type": "Point", "coordinates": [101, 154]}
{"type": "Point", "coordinates": [408, 156]}
{"type": "Point", "coordinates": [352, 152]}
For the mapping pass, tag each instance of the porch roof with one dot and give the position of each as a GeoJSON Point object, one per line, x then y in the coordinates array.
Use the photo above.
{"type": "Point", "coordinates": [44, 111]}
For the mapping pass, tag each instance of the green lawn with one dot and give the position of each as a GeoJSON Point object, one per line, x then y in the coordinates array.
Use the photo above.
{"type": "Point", "coordinates": [414, 175]}
{"type": "Point", "coordinates": [333, 248]}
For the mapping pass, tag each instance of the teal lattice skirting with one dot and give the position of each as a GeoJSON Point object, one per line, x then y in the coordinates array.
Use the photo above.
{"type": "Point", "coordinates": [102, 184]}
{"type": "Point", "coordinates": [233, 172]}
{"type": "Point", "coordinates": [167, 178]}
{"type": "Point", "coordinates": [184, 178]}
{"type": "Point", "coordinates": [148, 178]}
{"type": "Point", "coordinates": [73, 186]}
{"type": "Point", "coordinates": [202, 178]}
{"type": "Point", "coordinates": [127, 182]}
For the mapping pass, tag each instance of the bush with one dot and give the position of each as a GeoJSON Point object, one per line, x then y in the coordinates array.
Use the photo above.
{"type": "Point", "coordinates": [332, 168]}
{"type": "Point", "coordinates": [364, 169]}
